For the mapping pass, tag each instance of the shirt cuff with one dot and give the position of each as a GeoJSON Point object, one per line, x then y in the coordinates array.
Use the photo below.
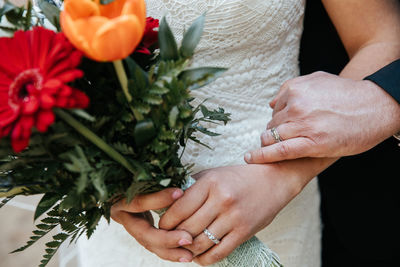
{"type": "Point", "coordinates": [389, 79]}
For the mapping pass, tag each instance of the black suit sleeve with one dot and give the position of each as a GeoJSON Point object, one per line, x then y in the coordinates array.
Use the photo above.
{"type": "Point", "coordinates": [389, 79]}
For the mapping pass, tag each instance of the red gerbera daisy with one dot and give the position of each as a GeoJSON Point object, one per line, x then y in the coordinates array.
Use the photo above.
{"type": "Point", "coordinates": [35, 67]}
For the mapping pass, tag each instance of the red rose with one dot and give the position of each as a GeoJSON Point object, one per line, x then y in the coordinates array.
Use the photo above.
{"type": "Point", "coordinates": [150, 36]}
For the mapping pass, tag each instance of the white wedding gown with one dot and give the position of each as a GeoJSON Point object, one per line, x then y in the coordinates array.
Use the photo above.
{"type": "Point", "coordinates": [258, 40]}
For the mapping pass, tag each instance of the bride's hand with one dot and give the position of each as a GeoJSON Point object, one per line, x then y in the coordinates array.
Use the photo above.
{"type": "Point", "coordinates": [233, 203]}
{"type": "Point", "coordinates": [137, 220]}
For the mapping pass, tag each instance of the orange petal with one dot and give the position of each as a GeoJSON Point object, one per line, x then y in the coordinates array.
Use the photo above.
{"type": "Point", "coordinates": [71, 32]}
{"type": "Point", "coordinates": [87, 30]}
{"type": "Point", "coordinates": [111, 10]}
{"type": "Point", "coordinates": [136, 7]}
{"type": "Point", "coordinates": [81, 8]}
{"type": "Point", "coordinates": [117, 38]}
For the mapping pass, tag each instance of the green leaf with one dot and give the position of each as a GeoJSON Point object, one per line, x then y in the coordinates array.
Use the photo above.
{"type": "Point", "coordinates": [167, 42]}
{"type": "Point", "coordinates": [50, 220]}
{"type": "Point", "coordinates": [144, 132]}
{"type": "Point", "coordinates": [105, 2]}
{"type": "Point", "coordinates": [60, 236]}
{"type": "Point", "coordinates": [139, 76]}
{"type": "Point", "coordinates": [199, 77]}
{"type": "Point", "coordinates": [53, 244]}
{"type": "Point", "coordinates": [7, 7]}
{"type": "Point", "coordinates": [47, 201]}
{"type": "Point", "coordinates": [206, 131]}
{"type": "Point", "coordinates": [43, 226]}
{"type": "Point", "coordinates": [97, 179]}
{"type": "Point", "coordinates": [4, 201]}
{"type": "Point", "coordinates": [51, 12]}
{"type": "Point", "coordinates": [82, 114]}
{"type": "Point", "coordinates": [192, 37]}
{"type": "Point", "coordinates": [173, 115]}
{"type": "Point", "coordinates": [153, 99]}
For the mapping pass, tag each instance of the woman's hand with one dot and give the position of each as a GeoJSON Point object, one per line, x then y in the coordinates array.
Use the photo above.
{"type": "Point", "coordinates": [137, 220]}
{"type": "Point", "coordinates": [233, 203]}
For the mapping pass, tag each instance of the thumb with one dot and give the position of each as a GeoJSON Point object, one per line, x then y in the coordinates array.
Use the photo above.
{"type": "Point", "coordinates": [154, 201]}
{"type": "Point", "coordinates": [288, 149]}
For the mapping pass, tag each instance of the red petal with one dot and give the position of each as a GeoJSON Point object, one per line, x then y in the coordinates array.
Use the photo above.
{"type": "Point", "coordinates": [26, 123]}
{"type": "Point", "coordinates": [61, 102]}
{"type": "Point", "coordinates": [81, 99]}
{"type": "Point", "coordinates": [46, 101]}
{"type": "Point", "coordinates": [8, 116]}
{"type": "Point", "coordinates": [19, 144]}
{"type": "Point", "coordinates": [30, 105]}
{"type": "Point", "coordinates": [65, 91]}
{"type": "Point", "coordinates": [52, 86]}
{"type": "Point", "coordinates": [70, 75]}
{"type": "Point", "coordinates": [5, 131]}
{"type": "Point", "coordinates": [44, 120]}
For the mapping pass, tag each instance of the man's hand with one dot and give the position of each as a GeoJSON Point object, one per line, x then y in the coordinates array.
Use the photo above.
{"type": "Point", "coordinates": [137, 220]}
{"type": "Point", "coordinates": [324, 115]}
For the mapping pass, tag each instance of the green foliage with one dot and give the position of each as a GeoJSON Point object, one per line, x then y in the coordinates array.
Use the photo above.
{"type": "Point", "coordinates": [167, 42]}
{"type": "Point", "coordinates": [24, 18]}
{"type": "Point", "coordinates": [192, 37]}
{"type": "Point", "coordinates": [78, 164]}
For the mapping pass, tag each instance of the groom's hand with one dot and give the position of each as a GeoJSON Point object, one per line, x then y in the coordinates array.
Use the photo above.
{"type": "Point", "coordinates": [137, 220]}
{"type": "Point", "coordinates": [324, 115]}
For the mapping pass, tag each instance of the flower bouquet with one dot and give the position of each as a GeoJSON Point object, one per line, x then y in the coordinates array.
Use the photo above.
{"type": "Point", "coordinates": [95, 110]}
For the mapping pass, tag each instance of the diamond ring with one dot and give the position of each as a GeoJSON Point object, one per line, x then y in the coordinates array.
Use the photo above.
{"type": "Point", "coordinates": [211, 236]}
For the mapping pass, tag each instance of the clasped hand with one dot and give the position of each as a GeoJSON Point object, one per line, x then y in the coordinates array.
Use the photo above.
{"type": "Point", "coordinates": [229, 201]}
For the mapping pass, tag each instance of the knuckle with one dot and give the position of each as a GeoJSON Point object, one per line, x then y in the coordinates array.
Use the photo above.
{"type": "Point", "coordinates": [227, 198]}
{"type": "Point", "coordinates": [213, 257]}
{"type": "Point", "coordinates": [318, 73]}
{"type": "Point", "coordinates": [263, 155]}
{"type": "Point", "coordinates": [283, 150]}
{"type": "Point", "coordinates": [198, 247]}
{"type": "Point", "coordinates": [287, 83]}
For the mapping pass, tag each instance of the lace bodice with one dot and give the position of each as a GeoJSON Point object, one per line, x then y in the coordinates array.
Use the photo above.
{"type": "Point", "coordinates": [258, 40]}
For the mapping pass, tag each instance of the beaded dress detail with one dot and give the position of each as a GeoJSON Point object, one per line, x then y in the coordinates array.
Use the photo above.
{"type": "Point", "coordinates": [258, 40]}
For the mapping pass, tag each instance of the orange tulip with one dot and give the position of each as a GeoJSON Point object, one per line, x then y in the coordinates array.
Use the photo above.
{"type": "Point", "coordinates": [104, 32]}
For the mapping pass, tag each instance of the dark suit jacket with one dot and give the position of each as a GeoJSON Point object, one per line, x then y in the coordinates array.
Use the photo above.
{"type": "Point", "coordinates": [360, 196]}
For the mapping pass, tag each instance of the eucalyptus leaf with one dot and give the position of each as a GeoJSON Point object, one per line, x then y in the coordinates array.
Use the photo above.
{"type": "Point", "coordinates": [167, 42]}
{"type": "Point", "coordinates": [192, 37]}
{"type": "Point", "coordinates": [199, 77]}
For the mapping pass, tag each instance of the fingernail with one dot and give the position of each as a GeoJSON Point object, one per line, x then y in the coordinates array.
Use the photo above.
{"type": "Point", "coordinates": [247, 157]}
{"type": "Point", "coordinates": [184, 260]}
{"type": "Point", "coordinates": [184, 242]}
{"type": "Point", "coordinates": [177, 194]}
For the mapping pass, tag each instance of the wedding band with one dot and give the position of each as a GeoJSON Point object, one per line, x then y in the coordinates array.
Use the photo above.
{"type": "Point", "coordinates": [275, 135]}
{"type": "Point", "coordinates": [211, 236]}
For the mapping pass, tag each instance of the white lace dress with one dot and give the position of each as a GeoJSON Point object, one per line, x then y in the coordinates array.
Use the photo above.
{"type": "Point", "coordinates": [258, 40]}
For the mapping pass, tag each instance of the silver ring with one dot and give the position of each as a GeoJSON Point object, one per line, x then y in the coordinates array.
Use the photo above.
{"type": "Point", "coordinates": [275, 135]}
{"type": "Point", "coordinates": [211, 236]}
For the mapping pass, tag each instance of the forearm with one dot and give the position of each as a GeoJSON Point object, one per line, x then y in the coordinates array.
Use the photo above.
{"type": "Point", "coordinates": [299, 172]}
{"type": "Point", "coordinates": [371, 58]}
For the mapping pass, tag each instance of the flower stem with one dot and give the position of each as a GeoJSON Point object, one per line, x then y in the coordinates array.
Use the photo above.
{"type": "Point", "coordinates": [123, 80]}
{"type": "Point", "coordinates": [92, 137]}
